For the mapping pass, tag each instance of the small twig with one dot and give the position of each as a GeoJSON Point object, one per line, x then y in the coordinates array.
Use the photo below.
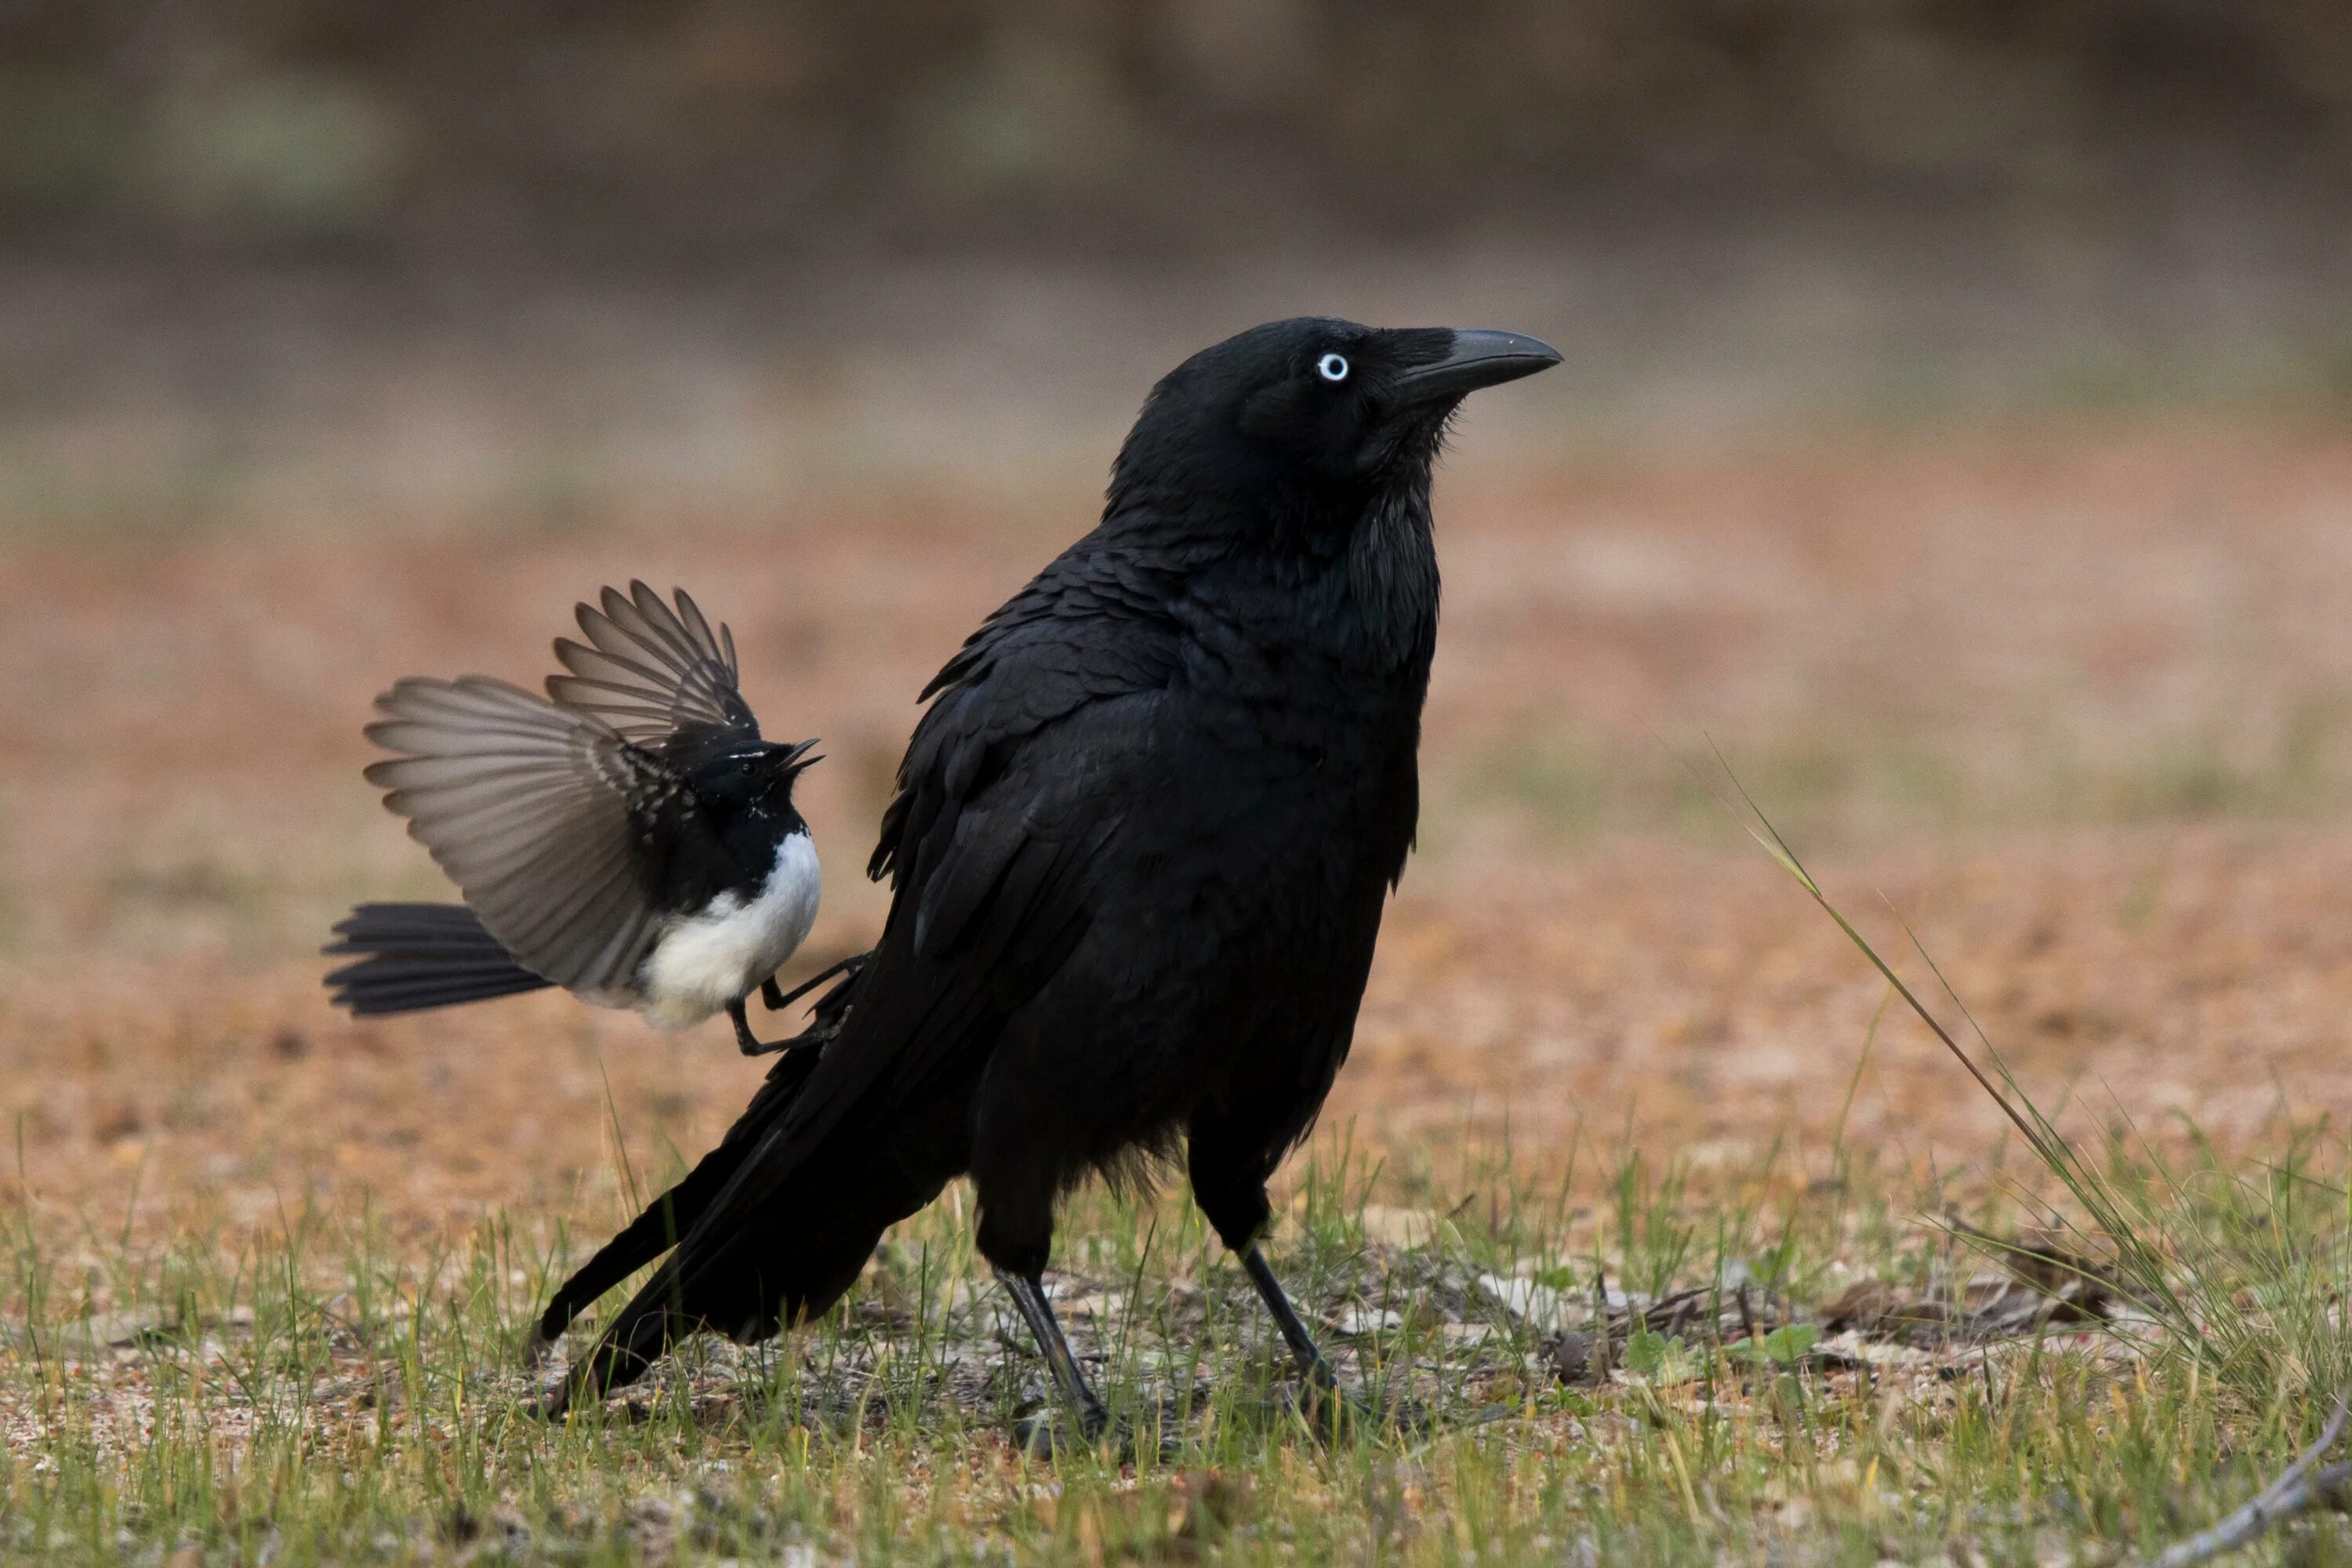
{"type": "Point", "coordinates": [2296, 1488]}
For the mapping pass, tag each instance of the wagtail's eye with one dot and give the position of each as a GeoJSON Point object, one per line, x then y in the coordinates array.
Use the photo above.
{"type": "Point", "coordinates": [1332, 367]}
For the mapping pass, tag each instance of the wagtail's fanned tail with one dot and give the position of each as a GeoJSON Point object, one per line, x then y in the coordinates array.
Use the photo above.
{"type": "Point", "coordinates": [414, 956]}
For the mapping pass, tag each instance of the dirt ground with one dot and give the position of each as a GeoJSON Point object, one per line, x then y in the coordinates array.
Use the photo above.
{"type": "Point", "coordinates": [2076, 701]}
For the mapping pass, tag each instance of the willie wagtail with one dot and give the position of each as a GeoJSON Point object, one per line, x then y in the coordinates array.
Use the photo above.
{"type": "Point", "coordinates": [629, 836]}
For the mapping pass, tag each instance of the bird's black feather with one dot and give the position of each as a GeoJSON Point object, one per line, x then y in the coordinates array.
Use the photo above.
{"type": "Point", "coordinates": [414, 956]}
{"type": "Point", "coordinates": [660, 677]}
{"type": "Point", "coordinates": [1139, 847]}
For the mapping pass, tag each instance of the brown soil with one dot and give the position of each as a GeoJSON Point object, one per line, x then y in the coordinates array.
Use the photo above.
{"type": "Point", "coordinates": [2075, 704]}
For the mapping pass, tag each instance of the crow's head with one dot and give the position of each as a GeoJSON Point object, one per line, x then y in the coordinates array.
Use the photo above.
{"type": "Point", "coordinates": [1313, 406]}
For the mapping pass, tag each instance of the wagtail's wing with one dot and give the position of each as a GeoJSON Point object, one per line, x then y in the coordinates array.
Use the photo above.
{"type": "Point", "coordinates": [547, 818]}
{"type": "Point", "coordinates": [660, 677]}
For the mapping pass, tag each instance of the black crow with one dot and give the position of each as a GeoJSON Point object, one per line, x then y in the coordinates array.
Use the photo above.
{"type": "Point", "coordinates": [629, 836]}
{"type": "Point", "coordinates": [1138, 851]}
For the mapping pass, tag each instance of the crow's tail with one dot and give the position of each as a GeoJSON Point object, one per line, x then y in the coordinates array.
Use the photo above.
{"type": "Point", "coordinates": [825, 1230]}
{"type": "Point", "coordinates": [412, 956]}
{"type": "Point", "coordinates": [809, 1244]}
{"type": "Point", "coordinates": [670, 1216]}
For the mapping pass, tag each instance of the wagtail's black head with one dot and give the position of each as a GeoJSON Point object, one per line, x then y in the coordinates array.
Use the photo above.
{"type": "Point", "coordinates": [1315, 405]}
{"type": "Point", "coordinates": [763, 772]}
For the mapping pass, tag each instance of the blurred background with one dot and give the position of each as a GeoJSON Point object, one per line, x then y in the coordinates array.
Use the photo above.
{"type": "Point", "coordinates": [428, 261]}
{"type": "Point", "coordinates": [1953, 429]}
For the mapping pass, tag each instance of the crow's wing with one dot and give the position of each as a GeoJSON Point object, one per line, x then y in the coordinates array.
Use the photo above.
{"type": "Point", "coordinates": [1093, 629]}
{"type": "Point", "coordinates": [661, 678]}
{"type": "Point", "coordinates": [535, 812]}
{"type": "Point", "coordinates": [1038, 743]}
{"type": "Point", "coordinates": [1039, 738]}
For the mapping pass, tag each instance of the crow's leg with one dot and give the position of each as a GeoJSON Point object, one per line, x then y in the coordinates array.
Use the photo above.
{"type": "Point", "coordinates": [1028, 1293]}
{"type": "Point", "coordinates": [1230, 1159]}
{"type": "Point", "coordinates": [1014, 1177]}
{"type": "Point", "coordinates": [1303, 1348]}
{"type": "Point", "coordinates": [746, 1041]}
{"type": "Point", "coordinates": [771, 994]}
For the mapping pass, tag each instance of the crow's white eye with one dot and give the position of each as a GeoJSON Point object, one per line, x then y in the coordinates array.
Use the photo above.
{"type": "Point", "coordinates": [1332, 367]}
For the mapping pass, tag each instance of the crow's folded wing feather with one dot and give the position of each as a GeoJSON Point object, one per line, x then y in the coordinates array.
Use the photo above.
{"type": "Point", "coordinates": [661, 678]}
{"type": "Point", "coordinates": [1039, 738]}
{"type": "Point", "coordinates": [535, 812]}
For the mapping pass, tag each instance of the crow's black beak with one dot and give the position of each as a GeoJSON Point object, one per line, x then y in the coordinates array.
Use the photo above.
{"type": "Point", "coordinates": [797, 757]}
{"type": "Point", "coordinates": [1476, 359]}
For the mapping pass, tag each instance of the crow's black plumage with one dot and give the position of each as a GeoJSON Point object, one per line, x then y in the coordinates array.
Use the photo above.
{"type": "Point", "coordinates": [629, 836]}
{"type": "Point", "coordinates": [1138, 851]}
